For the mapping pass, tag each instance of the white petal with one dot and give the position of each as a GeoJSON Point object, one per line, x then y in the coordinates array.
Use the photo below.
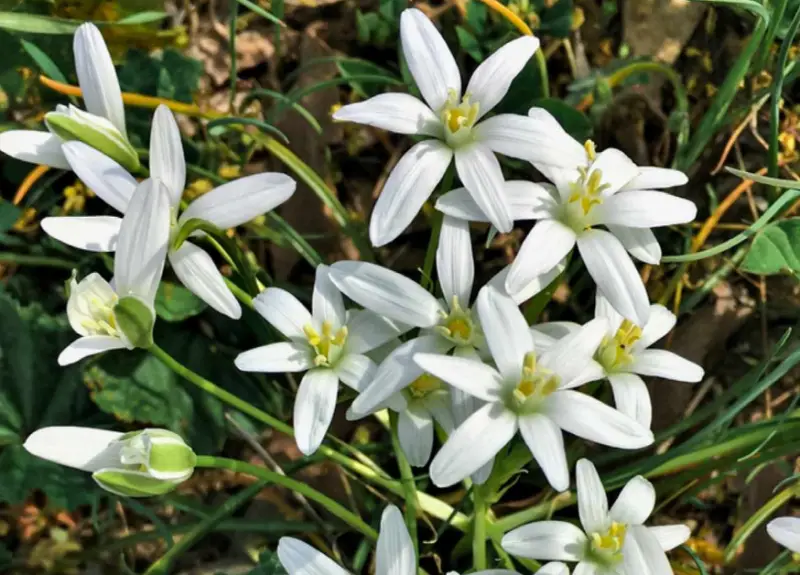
{"type": "Point", "coordinates": [454, 263]}
{"type": "Point", "coordinates": [528, 139]}
{"type": "Point", "coordinates": [642, 553]}
{"type": "Point", "coordinates": [198, 272]}
{"type": "Point", "coordinates": [506, 331]}
{"type": "Point", "coordinates": [663, 363]}
{"type": "Point", "coordinates": [672, 536]}
{"type": "Point", "coordinates": [555, 330]}
{"type": "Point", "coordinates": [632, 398]}
{"type": "Point", "coordinates": [786, 531]}
{"type": "Point", "coordinates": [299, 558]}
{"type": "Point", "coordinates": [641, 243]}
{"type": "Point", "coordinates": [386, 293]}
{"type": "Point", "coordinates": [546, 540]}
{"type": "Point", "coordinates": [660, 324]}
{"type": "Point", "coordinates": [396, 372]}
{"type": "Point", "coordinates": [617, 170]}
{"type": "Point", "coordinates": [546, 442]}
{"type": "Point", "coordinates": [462, 405]}
{"type": "Point", "coordinates": [646, 209]}
{"type": "Point", "coordinates": [429, 59]}
{"type": "Point", "coordinates": [314, 407]}
{"type": "Point", "coordinates": [571, 355]}
{"type": "Point", "coordinates": [410, 183]}
{"type": "Point", "coordinates": [635, 502]}
{"type": "Point", "coordinates": [289, 356]}
{"type": "Point", "coordinates": [283, 311]}
{"type": "Point", "coordinates": [143, 241]}
{"type": "Point", "coordinates": [367, 330]}
{"type": "Point", "coordinates": [34, 147]}
{"type": "Point", "coordinates": [92, 233]}
{"type": "Point", "coordinates": [553, 568]}
{"type": "Point", "coordinates": [480, 172]}
{"type": "Point", "coordinates": [241, 200]}
{"type": "Point", "coordinates": [528, 201]}
{"type": "Point", "coordinates": [590, 419]}
{"type": "Point", "coordinates": [355, 370]}
{"type": "Point", "coordinates": [415, 432]}
{"type": "Point", "coordinates": [472, 444]}
{"type": "Point", "coordinates": [111, 182]}
{"type": "Point", "coordinates": [548, 242]}
{"type": "Point", "coordinates": [79, 447]}
{"type": "Point", "coordinates": [88, 345]}
{"type": "Point", "coordinates": [398, 113]}
{"type": "Point", "coordinates": [97, 77]}
{"type": "Point", "coordinates": [593, 371]}
{"type": "Point", "coordinates": [327, 304]}
{"type": "Point", "coordinates": [603, 308]}
{"type": "Point", "coordinates": [615, 274]}
{"type": "Point", "coordinates": [166, 153]}
{"type": "Point", "coordinates": [491, 80]}
{"type": "Point", "coordinates": [587, 568]}
{"type": "Point", "coordinates": [592, 500]}
{"type": "Point", "coordinates": [395, 551]}
{"type": "Point", "coordinates": [650, 178]}
{"type": "Point", "coordinates": [535, 286]}
{"type": "Point", "coordinates": [469, 375]}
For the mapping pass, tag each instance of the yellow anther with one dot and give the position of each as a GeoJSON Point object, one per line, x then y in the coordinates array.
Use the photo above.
{"type": "Point", "coordinates": [312, 335]}
{"type": "Point", "coordinates": [535, 384]}
{"type": "Point", "coordinates": [615, 352]}
{"type": "Point", "coordinates": [424, 385]}
{"type": "Point", "coordinates": [591, 153]}
{"type": "Point", "coordinates": [609, 544]}
{"type": "Point", "coordinates": [328, 344]}
{"type": "Point", "coordinates": [458, 117]}
{"type": "Point", "coordinates": [341, 336]}
{"type": "Point", "coordinates": [458, 325]}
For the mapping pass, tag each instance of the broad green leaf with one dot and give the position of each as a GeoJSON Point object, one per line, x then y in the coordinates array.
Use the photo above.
{"type": "Point", "coordinates": [364, 77]}
{"type": "Point", "coordinates": [44, 61]}
{"type": "Point", "coordinates": [145, 17]}
{"type": "Point", "coordinates": [176, 303]}
{"type": "Point", "coordinates": [775, 249]}
{"type": "Point", "coordinates": [556, 18]}
{"type": "Point", "coordinates": [469, 43]}
{"type": "Point", "coordinates": [36, 24]}
{"type": "Point", "coordinates": [9, 214]}
{"type": "Point", "coordinates": [573, 121]}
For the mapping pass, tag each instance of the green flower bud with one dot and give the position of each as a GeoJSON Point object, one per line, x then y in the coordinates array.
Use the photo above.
{"type": "Point", "coordinates": [135, 319]}
{"type": "Point", "coordinates": [73, 124]}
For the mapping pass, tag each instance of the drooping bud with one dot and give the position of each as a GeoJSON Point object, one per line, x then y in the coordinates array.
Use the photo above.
{"type": "Point", "coordinates": [137, 464]}
{"type": "Point", "coordinates": [71, 123]}
{"type": "Point", "coordinates": [135, 320]}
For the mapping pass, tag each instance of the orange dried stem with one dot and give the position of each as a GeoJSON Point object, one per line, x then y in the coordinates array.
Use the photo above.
{"type": "Point", "coordinates": [518, 23]}
{"type": "Point", "coordinates": [33, 176]}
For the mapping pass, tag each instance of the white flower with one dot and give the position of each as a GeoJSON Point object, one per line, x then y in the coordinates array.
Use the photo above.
{"type": "Point", "coordinates": [394, 554]}
{"type": "Point", "coordinates": [624, 355]}
{"type": "Point", "coordinates": [329, 343]}
{"type": "Point", "coordinates": [786, 531]}
{"type": "Point", "coordinates": [554, 568]}
{"type": "Point", "coordinates": [611, 542]}
{"type": "Point", "coordinates": [527, 392]}
{"type": "Point", "coordinates": [103, 124]}
{"type": "Point", "coordinates": [596, 189]}
{"type": "Point", "coordinates": [452, 121]}
{"type": "Point", "coordinates": [136, 464]}
{"type": "Point", "coordinates": [138, 265]}
{"type": "Point", "coordinates": [227, 206]}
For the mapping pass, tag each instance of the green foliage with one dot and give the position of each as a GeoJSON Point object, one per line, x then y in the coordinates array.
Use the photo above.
{"type": "Point", "coordinates": [268, 564]}
{"type": "Point", "coordinates": [35, 392]}
{"type": "Point", "coordinates": [775, 249]}
{"type": "Point", "coordinates": [175, 303]}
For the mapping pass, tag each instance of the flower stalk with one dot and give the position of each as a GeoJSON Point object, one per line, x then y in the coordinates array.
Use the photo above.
{"type": "Point", "coordinates": [407, 479]}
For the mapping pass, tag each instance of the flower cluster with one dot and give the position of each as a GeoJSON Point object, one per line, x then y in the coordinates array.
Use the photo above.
{"type": "Point", "coordinates": [470, 364]}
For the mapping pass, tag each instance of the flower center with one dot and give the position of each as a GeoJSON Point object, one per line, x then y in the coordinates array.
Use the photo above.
{"type": "Point", "coordinates": [327, 345]}
{"type": "Point", "coordinates": [615, 352]}
{"type": "Point", "coordinates": [585, 193]}
{"type": "Point", "coordinates": [458, 325]}
{"type": "Point", "coordinates": [423, 386]}
{"type": "Point", "coordinates": [535, 384]}
{"type": "Point", "coordinates": [458, 118]}
{"type": "Point", "coordinates": [100, 319]}
{"type": "Point", "coordinates": [607, 547]}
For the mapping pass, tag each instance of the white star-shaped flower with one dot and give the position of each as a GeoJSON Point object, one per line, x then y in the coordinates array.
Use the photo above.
{"type": "Point", "coordinates": [328, 342]}
{"type": "Point", "coordinates": [530, 392]}
{"type": "Point", "coordinates": [227, 206]}
{"type": "Point", "coordinates": [453, 123]}
{"type": "Point", "coordinates": [614, 542]}
{"type": "Point", "coordinates": [597, 189]}
{"type": "Point", "coordinates": [786, 531]}
{"type": "Point", "coordinates": [624, 355]}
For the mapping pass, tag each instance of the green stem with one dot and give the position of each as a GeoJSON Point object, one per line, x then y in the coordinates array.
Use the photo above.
{"type": "Point", "coordinates": [427, 503]}
{"type": "Point", "coordinates": [479, 530]}
{"type": "Point", "coordinates": [38, 261]}
{"type": "Point", "coordinates": [541, 63]}
{"type": "Point", "coordinates": [162, 566]}
{"type": "Point", "coordinates": [436, 230]}
{"type": "Point", "coordinates": [240, 294]}
{"type": "Point", "coordinates": [407, 479]}
{"type": "Point", "coordinates": [335, 508]}
{"type": "Point", "coordinates": [755, 520]}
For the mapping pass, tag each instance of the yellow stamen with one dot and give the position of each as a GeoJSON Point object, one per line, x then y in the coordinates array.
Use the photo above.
{"type": "Point", "coordinates": [424, 385]}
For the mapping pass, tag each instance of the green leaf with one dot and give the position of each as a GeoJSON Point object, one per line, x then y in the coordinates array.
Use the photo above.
{"type": "Point", "coordinates": [469, 43]}
{"type": "Point", "coordinates": [176, 303]}
{"type": "Point", "coordinates": [9, 214]}
{"type": "Point", "coordinates": [36, 24]}
{"type": "Point", "coordinates": [146, 17]}
{"type": "Point", "coordinates": [556, 20]}
{"type": "Point", "coordinates": [573, 121]}
{"type": "Point", "coordinates": [268, 564]}
{"type": "Point", "coordinates": [221, 125]}
{"type": "Point", "coordinates": [775, 249]}
{"type": "Point", "coordinates": [43, 61]}
{"type": "Point", "coordinates": [356, 71]}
